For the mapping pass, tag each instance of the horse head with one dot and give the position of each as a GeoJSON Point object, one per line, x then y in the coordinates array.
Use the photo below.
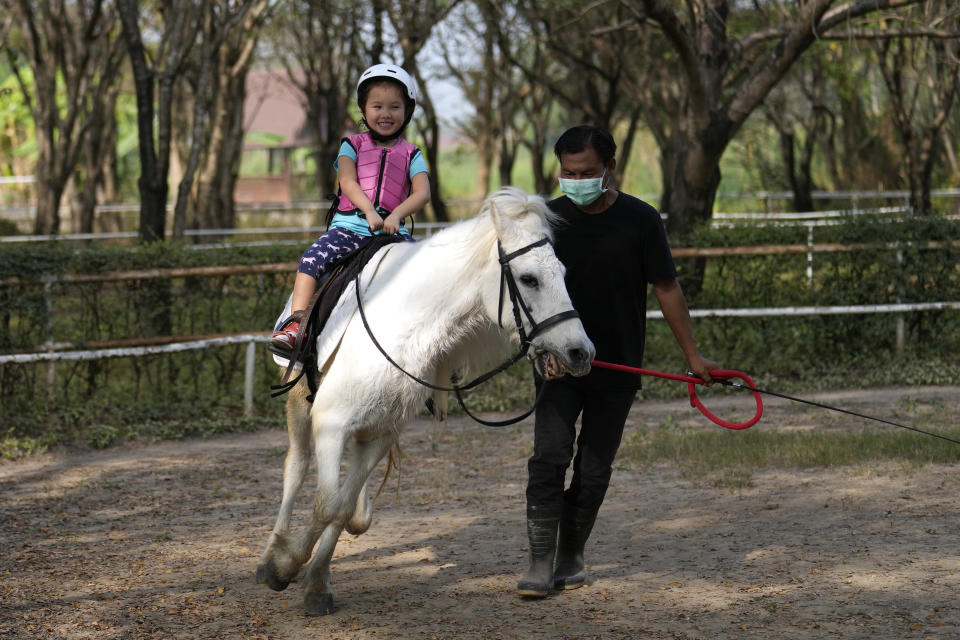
{"type": "Point", "coordinates": [532, 298]}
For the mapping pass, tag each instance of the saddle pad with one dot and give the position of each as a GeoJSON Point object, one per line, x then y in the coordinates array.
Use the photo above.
{"type": "Point", "coordinates": [338, 320]}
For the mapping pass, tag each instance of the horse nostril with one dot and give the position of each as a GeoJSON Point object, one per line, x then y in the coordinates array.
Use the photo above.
{"type": "Point", "coordinates": [577, 356]}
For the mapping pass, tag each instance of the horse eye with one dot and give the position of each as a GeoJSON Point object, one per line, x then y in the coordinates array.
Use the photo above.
{"type": "Point", "coordinates": [528, 280]}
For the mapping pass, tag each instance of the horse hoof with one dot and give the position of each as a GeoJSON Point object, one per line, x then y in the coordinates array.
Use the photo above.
{"type": "Point", "coordinates": [267, 574]}
{"type": "Point", "coordinates": [318, 604]}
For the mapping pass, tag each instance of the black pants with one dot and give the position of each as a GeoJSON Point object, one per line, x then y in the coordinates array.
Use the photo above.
{"type": "Point", "coordinates": [604, 414]}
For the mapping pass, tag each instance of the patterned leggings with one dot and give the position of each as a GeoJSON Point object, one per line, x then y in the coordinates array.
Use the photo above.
{"type": "Point", "coordinates": [330, 247]}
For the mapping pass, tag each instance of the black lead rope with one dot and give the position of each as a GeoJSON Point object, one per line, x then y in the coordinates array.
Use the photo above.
{"type": "Point", "coordinates": [739, 385]}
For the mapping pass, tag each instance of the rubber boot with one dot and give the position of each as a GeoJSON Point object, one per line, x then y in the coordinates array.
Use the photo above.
{"type": "Point", "coordinates": [575, 527]}
{"type": "Point", "coordinates": [542, 523]}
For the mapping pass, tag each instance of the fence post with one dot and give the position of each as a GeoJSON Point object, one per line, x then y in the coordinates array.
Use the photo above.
{"type": "Point", "coordinates": [48, 310]}
{"type": "Point", "coordinates": [248, 380]}
{"type": "Point", "coordinates": [901, 322]}
{"type": "Point", "coordinates": [810, 255]}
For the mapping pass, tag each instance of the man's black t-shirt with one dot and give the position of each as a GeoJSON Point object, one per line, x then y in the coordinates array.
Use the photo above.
{"type": "Point", "coordinates": [610, 258]}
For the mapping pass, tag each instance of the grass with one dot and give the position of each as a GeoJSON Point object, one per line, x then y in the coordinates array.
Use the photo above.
{"type": "Point", "coordinates": [100, 435]}
{"type": "Point", "coordinates": [729, 459]}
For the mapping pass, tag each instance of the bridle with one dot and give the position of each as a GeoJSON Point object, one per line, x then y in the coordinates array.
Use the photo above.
{"type": "Point", "coordinates": [506, 277]}
{"type": "Point", "coordinates": [508, 282]}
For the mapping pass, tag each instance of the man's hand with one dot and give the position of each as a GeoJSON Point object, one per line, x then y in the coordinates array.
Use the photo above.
{"type": "Point", "coordinates": [700, 367]}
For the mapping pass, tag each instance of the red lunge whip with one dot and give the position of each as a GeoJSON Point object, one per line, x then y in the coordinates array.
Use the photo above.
{"type": "Point", "coordinates": [692, 381]}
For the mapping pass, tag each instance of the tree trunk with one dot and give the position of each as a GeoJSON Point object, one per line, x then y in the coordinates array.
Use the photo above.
{"type": "Point", "coordinates": [229, 168]}
{"type": "Point", "coordinates": [326, 118]}
{"type": "Point", "coordinates": [694, 179]}
{"type": "Point", "coordinates": [626, 147]}
{"type": "Point", "coordinates": [413, 22]}
{"type": "Point", "coordinates": [481, 184]}
{"type": "Point", "coordinates": [152, 186]}
{"type": "Point", "coordinates": [921, 172]}
{"type": "Point", "coordinates": [48, 188]}
{"type": "Point", "coordinates": [543, 182]}
{"type": "Point", "coordinates": [224, 160]}
{"type": "Point", "coordinates": [95, 149]}
{"type": "Point", "coordinates": [798, 175]}
{"type": "Point", "coordinates": [505, 161]}
{"type": "Point", "coordinates": [667, 162]}
{"type": "Point", "coordinates": [232, 40]}
{"type": "Point", "coordinates": [440, 212]}
{"type": "Point", "coordinates": [74, 204]}
{"type": "Point", "coordinates": [431, 137]}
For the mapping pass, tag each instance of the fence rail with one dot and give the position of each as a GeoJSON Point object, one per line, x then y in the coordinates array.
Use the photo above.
{"type": "Point", "coordinates": [290, 267]}
{"type": "Point", "coordinates": [52, 352]}
{"type": "Point", "coordinates": [251, 339]}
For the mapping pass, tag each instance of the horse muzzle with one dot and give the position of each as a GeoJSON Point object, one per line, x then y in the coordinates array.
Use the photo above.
{"type": "Point", "coordinates": [574, 361]}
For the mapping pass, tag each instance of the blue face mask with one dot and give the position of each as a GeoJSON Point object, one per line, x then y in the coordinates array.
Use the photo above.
{"type": "Point", "coordinates": [583, 192]}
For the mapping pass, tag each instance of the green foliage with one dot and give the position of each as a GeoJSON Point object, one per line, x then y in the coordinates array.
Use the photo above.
{"type": "Point", "coordinates": [8, 228]}
{"type": "Point", "coordinates": [747, 235]}
{"type": "Point", "coordinates": [97, 403]}
{"type": "Point", "coordinates": [821, 351]}
{"type": "Point", "coordinates": [511, 390]}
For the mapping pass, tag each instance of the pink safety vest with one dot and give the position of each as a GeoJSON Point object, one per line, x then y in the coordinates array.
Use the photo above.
{"type": "Point", "coordinates": [383, 173]}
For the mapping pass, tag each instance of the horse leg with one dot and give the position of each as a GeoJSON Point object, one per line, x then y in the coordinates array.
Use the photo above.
{"type": "Point", "coordinates": [280, 562]}
{"type": "Point", "coordinates": [318, 599]}
{"type": "Point", "coordinates": [359, 522]}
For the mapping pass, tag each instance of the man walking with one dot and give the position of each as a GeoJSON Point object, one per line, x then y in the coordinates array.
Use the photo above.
{"type": "Point", "coordinates": [613, 245]}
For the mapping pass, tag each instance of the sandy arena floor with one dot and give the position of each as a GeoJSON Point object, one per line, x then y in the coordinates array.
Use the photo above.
{"type": "Point", "coordinates": [162, 541]}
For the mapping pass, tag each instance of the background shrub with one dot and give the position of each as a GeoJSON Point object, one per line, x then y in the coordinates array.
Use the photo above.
{"type": "Point", "coordinates": [100, 402]}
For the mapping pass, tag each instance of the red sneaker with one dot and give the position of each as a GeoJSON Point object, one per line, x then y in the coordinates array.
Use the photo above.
{"type": "Point", "coordinates": [285, 337]}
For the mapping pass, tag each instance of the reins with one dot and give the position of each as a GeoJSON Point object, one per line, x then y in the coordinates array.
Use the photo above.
{"type": "Point", "coordinates": [724, 377]}
{"type": "Point", "coordinates": [508, 282]}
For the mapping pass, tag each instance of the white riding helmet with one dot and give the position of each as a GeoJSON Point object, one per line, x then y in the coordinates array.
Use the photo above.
{"type": "Point", "coordinates": [392, 72]}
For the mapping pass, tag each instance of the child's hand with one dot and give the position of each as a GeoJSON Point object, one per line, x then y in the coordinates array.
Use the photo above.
{"type": "Point", "coordinates": [374, 221]}
{"type": "Point", "coordinates": [392, 224]}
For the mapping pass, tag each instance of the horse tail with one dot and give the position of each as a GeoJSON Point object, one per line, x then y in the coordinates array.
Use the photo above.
{"type": "Point", "coordinates": [394, 461]}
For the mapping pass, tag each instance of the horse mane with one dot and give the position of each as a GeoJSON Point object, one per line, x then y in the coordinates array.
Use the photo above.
{"type": "Point", "coordinates": [521, 215]}
{"type": "Point", "coordinates": [530, 211]}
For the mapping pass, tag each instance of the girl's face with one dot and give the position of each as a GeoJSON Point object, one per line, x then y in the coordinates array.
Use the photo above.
{"type": "Point", "coordinates": [385, 109]}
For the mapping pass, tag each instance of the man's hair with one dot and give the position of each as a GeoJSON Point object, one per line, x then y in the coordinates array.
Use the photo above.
{"type": "Point", "coordinates": [586, 136]}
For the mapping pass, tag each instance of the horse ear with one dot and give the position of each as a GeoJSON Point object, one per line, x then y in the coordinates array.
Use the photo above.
{"type": "Point", "coordinates": [501, 222]}
{"type": "Point", "coordinates": [495, 216]}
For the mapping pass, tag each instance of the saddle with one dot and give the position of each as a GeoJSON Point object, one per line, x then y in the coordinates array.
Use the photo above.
{"type": "Point", "coordinates": [315, 316]}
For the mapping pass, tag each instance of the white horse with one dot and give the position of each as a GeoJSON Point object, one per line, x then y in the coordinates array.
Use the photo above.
{"type": "Point", "coordinates": [434, 307]}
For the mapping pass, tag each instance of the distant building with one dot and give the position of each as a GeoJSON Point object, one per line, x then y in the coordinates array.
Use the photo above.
{"type": "Point", "coordinates": [275, 163]}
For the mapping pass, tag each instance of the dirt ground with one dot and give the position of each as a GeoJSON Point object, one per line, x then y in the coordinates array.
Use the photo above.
{"type": "Point", "coordinates": [162, 540]}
